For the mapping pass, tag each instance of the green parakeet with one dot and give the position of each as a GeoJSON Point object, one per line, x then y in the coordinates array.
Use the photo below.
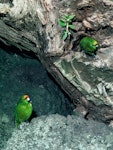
{"type": "Point", "coordinates": [23, 110]}
{"type": "Point", "coordinates": [89, 45]}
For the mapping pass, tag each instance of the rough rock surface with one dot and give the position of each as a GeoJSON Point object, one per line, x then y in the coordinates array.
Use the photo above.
{"type": "Point", "coordinates": [57, 132]}
{"type": "Point", "coordinates": [33, 26]}
{"type": "Point", "coordinates": [92, 76]}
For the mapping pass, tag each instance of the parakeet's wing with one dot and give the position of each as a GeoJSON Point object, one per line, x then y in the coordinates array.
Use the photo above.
{"type": "Point", "coordinates": [22, 112]}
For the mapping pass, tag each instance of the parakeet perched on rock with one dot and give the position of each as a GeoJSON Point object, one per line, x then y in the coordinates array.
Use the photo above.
{"type": "Point", "coordinates": [23, 110]}
{"type": "Point", "coordinates": [89, 45]}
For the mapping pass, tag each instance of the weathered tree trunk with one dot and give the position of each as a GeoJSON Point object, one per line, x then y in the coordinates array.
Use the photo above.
{"type": "Point", "coordinates": [32, 25]}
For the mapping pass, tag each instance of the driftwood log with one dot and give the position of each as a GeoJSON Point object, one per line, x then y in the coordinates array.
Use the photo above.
{"type": "Point", "coordinates": [32, 26]}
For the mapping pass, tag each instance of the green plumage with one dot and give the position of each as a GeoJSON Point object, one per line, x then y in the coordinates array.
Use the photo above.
{"type": "Point", "coordinates": [23, 110]}
{"type": "Point", "coordinates": [88, 45]}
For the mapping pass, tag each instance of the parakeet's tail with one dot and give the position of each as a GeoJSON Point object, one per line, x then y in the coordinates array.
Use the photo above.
{"type": "Point", "coordinates": [17, 123]}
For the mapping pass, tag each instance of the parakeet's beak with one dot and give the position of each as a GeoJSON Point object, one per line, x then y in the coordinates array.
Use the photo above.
{"type": "Point", "coordinates": [28, 99]}
{"type": "Point", "coordinates": [97, 46]}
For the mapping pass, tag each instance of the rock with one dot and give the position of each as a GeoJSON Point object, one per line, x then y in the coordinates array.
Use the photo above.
{"type": "Point", "coordinates": [62, 133]}
{"type": "Point", "coordinates": [5, 118]}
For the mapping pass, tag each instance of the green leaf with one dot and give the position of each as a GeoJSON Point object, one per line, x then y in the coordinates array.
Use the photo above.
{"type": "Point", "coordinates": [65, 35]}
{"type": "Point", "coordinates": [68, 17]}
{"type": "Point", "coordinates": [61, 23]}
{"type": "Point", "coordinates": [65, 17]}
{"type": "Point", "coordinates": [71, 17]}
{"type": "Point", "coordinates": [71, 26]}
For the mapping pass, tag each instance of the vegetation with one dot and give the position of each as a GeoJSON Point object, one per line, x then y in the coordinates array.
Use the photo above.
{"type": "Point", "coordinates": [66, 22]}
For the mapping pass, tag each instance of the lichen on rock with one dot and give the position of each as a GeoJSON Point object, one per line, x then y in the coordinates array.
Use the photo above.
{"type": "Point", "coordinates": [62, 133]}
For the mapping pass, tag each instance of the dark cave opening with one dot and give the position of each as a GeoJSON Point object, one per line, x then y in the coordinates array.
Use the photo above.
{"type": "Point", "coordinates": [23, 73]}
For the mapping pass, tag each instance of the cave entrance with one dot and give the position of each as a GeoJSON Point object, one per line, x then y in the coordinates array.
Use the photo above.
{"type": "Point", "coordinates": [22, 73]}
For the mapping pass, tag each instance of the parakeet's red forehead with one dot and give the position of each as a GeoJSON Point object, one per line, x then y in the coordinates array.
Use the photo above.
{"type": "Point", "coordinates": [25, 96]}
